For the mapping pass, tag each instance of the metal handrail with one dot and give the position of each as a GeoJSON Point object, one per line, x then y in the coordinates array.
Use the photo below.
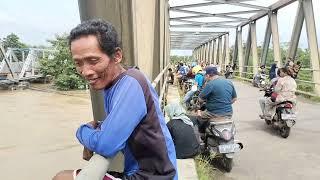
{"type": "Point", "coordinates": [157, 79]}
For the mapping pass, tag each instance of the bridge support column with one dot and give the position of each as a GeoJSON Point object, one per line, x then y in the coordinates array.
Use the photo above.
{"type": "Point", "coordinates": [214, 53]}
{"type": "Point", "coordinates": [227, 50]}
{"type": "Point", "coordinates": [240, 52]}
{"type": "Point", "coordinates": [313, 43]}
{"type": "Point", "coordinates": [296, 32]}
{"type": "Point", "coordinates": [142, 30]}
{"type": "Point", "coordinates": [247, 52]}
{"type": "Point", "coordinates": [235, 50]}
{"type": "Point", "coordinates": [211, 52]}
{"type": "Point", "coordinates": [275, 38]}
{"type": "Point", "coordinates": [266, 43]}
{"type": "Point", "coordinates": [254, 47]}
{"type": "Point", "coordinates": [223, 61]}
{"type": "Point", "coordinates": [208, 51]}
{"type": "Point", "coordinates": [219, 51]}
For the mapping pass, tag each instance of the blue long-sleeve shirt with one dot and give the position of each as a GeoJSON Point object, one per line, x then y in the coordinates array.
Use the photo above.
{"type": "Point", "coordinates": [135, 126]}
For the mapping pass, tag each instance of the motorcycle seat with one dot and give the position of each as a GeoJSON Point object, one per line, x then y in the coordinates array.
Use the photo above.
{"type": "Point", "coordinates": [285, 102]}
{"type": "Point", "coordinates": [220, 122]}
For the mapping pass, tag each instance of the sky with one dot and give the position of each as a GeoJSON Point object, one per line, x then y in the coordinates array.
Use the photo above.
{"type": "Point", "coordinates": [36, 21]}
{"type": "Point", "coordinates": [39, 20]}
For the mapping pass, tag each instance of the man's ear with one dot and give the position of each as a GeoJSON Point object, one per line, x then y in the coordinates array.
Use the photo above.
{"type": "Point", "coordinates": [118, 55]}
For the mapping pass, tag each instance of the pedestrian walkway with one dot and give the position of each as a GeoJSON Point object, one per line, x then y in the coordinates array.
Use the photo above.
{"type": "Point", "coordinates": [186, 167]}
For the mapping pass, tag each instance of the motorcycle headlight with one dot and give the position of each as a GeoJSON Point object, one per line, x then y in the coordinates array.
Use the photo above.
{"type": "Point", "coordinates": [226, 135]}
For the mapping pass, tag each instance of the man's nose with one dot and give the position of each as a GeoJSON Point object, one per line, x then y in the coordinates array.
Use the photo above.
{"type": "Point", "coordinates": [87, 71]}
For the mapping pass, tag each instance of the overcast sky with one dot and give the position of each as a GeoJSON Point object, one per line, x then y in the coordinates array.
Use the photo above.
{"type": "Point", "coordinates": [35, 21]}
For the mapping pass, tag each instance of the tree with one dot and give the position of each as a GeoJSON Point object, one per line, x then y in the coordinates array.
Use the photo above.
{"type": "Point", "coordinates": [61, 66]}
{"type": "Point", "coordinates": [13, 41]}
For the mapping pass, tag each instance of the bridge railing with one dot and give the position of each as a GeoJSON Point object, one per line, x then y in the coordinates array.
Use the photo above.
{"type": "Point", "coordinates": [164, 89]}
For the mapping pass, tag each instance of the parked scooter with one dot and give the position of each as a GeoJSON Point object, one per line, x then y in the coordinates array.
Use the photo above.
{"type": "Point", "coordinates": [284, 118]}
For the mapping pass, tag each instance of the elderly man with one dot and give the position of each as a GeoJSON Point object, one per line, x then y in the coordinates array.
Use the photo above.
{"type": "Point", "coordinates": [134, 124]}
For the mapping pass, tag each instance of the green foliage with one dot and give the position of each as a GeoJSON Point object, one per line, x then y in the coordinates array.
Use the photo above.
{"type": "Point", "coordinates": [13, 41]}
{"type": "Point", "coordinates": [184, 59]}
{"type": "Point", "coordinates": [205, 170]}
{"type": "Point", "coordinates": [61, 67]}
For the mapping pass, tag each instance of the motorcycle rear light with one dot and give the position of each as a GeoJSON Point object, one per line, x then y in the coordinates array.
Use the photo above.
{"type": "Point", "coordinates": [288, 105]}
{"type": "Point", "coordinates": [226, 135]}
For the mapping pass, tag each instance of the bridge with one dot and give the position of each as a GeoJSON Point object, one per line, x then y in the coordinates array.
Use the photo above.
{"type": "Point", "coordinates": [15, 69]}
{"type": "Point", "coordinates": [150, 29]}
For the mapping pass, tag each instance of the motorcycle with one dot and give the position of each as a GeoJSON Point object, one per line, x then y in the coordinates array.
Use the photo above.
{"type": "Point", "coordinates": [260, 80]}
{"type": "Point", "coordinates": [219, 139]}
{"type": "Point", "coordinates": [187, 85]}
{"type": "Point", "coordinates": [284, 118]}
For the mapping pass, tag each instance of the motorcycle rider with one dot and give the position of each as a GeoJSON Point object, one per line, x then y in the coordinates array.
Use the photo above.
{"type": "Point", "coordinates": [284, 90]}
{"type": "Point", "coordinates": [219, 94]}
{"type": "Point", "coordinates": [260, 74]}
{"type": "Point", "coordinates": [199, 80]}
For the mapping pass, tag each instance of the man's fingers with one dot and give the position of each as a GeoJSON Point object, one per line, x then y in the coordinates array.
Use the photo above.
{"type": "Point", "coordinates": [87, 154]}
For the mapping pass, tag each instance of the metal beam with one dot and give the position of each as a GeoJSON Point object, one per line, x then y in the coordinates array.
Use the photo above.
{"type": "Point", "coordinates": [235, 50]}
{"type": "Point", "coordinates": [208, 14]}
{"type": "Point", "coordinates": [275, 38]}
{"type": "Point", "coordinates": [273, 7]}
{"type": "Point", "coordinates": [200, 23]}
{"type": "Point", "coordinates": [266, 43]}
{"type": "Point", "coordinates": [240, 52]}
{"type": "Point", "coordinates": [296, 32]}
{"type": "Point", "coordinates": [254, 49]}
{"type": "Point", "coordinates": [195, 32]}
{"type": "Point", "coordinates": [203, 4]}
{"type": "Point", "coordinates": [223, 61]}
{"type": "Point", "coordinates": [213, 59]}
{"type": "Point", "coordinates": [220, 50]}
{"type": "Point", "coordinates": [227, 50]}
{"type": "Point", "coordinates": [193, 5]}
{"type": "Point", "coordinates": [211, 51]}
{"type": "Point", "coordinates": [241, 4]}
{"type": "Point", "coordinates": [198, 26]}
{"type": "Point", "coordinates": [215, 54]}
{"type": "Point", "coordinates": [313, 43]}
{"type": "Point", "coordinates": [248, 50]}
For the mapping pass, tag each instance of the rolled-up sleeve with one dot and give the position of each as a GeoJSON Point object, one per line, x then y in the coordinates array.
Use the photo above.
{"type": "Point", "coordinates": [127, 109]}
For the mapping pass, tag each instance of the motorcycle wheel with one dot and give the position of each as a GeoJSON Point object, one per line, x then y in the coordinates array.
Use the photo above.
{"type": "Point", "coordinates": [284, 131]}
{"type": "Point", "coordinates": [268, 122]}
{"type": "Point", "coordinates": [227, 162]}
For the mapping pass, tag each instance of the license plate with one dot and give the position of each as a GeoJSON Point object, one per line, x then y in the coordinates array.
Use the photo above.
{"type": "Point", "coordinates": [288, 116]}
{"type": "Point", "coordinates": [229, 148]}
{"type": "Point", "coordinates": [290, 123]}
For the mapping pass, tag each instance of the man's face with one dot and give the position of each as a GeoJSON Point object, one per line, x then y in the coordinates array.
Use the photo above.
{"type": "Point", "coordinates": [93, 64]}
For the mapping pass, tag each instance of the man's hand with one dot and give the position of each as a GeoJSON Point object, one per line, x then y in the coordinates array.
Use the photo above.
{"type": "Point", "coordinates": [199, 113]}
{"type": "Point", "coordinates": [94, 124]}
{"type": "Point", "coordinates": [86, 153]}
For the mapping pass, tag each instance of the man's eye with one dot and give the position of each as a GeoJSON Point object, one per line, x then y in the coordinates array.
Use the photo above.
{"type": "Point", "coordinates": [94, 61]}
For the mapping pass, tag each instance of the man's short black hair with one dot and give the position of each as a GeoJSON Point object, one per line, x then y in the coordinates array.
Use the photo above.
{"type": "Point", "coordinates": [105, 32]}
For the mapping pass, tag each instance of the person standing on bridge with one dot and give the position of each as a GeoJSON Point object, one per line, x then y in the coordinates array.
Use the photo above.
{"type": "Point", "coordinates": [134, 124]}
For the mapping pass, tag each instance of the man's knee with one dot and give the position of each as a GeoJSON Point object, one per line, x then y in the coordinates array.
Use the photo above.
{"type": "Point", "coordinates": [64, 175]}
